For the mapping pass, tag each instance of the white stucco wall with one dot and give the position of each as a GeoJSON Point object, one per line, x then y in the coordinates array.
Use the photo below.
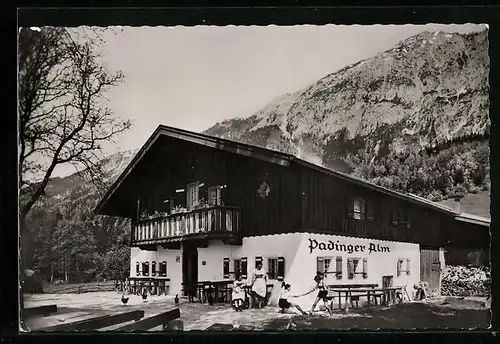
{"type": "Point", "coordinates": [300, 262]}
{"type": "Point", "coordinates": [304, 265]}
{"type": "Point", "coordinates": [174, 268]}
{"type": "Point", "coordinates": [213, 256]}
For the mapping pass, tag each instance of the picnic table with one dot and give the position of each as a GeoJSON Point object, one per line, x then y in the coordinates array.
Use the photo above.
{"type": "Point", "coordinates": [208, 291]}
{"type": "Point", "coordinates": [220, 291]}
{"type": "Point", "coordinates": [387, 294]}
{"type": "Point", "coordinates": [155, 285]}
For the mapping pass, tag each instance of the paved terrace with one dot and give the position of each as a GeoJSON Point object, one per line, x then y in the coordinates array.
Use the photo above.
{"type": "Point", "coordinates": [442, 313]}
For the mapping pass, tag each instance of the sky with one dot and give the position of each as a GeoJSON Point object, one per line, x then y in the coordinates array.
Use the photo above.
{"type": "Point", "coordinates": [194, 77]}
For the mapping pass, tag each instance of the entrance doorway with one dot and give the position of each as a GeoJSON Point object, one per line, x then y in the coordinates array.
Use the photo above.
{"type": "Point", "coordinates": [387, 282]}
{"type": "Point", "coordinates": [189, 268]}
{"type": "Point", "coordinates": [430, 269]}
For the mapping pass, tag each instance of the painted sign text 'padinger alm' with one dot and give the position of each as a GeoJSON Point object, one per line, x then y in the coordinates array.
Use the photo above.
{"type": "Point", "coordinates": [349, 248]}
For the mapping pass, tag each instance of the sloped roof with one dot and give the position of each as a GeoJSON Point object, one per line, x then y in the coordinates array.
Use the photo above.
{"type": "Point", "coordinates": [255, 152]}
{"type": "Point", "coordinates": [475, 219]}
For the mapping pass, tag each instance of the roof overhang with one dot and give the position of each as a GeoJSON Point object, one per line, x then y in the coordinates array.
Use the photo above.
{"type": "Point", "coordinates": [202, 140]}
{"type": "Point", "coordinates": [477, 220]}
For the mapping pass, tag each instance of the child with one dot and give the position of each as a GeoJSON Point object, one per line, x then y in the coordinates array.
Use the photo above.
{"type": "Point", "coordinates": [322, 293]}
{"type": "Point", "coordinates": [284, 300]}
{"type": "Point", "coordinates": [238, 295]}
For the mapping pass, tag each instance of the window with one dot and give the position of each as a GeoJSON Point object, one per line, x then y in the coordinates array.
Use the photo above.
{"type": "Point", "coordinates": [137, 269]}
{"type": "Point", "coordinates": [398, 217]}
{"type": "Point", "coordinates": [237, 268]}
{"type": "Point", "coordinates": [215, 195]}
{"type": "Point", "coordinates": [401, 268]}
{"type": "Point", "coordinates": [145, 269]}
{"type": "Point", "coordinates": [330, 266]}
{"type": "Point", "coordinates": [153, 269]}
{"type": "Point", "coordinates": [258, 260]}
{"type": "Point", "coordinates": [272, 269]}
{"type": "Point", "coordinates": [193, 190]}
{"type": "Point", "coordinates": [357, 267]}
{"type": "Point", "coordinates": [356, 209]}
{"type": "Point", "coordinates": [163, 269]}
{"type": "Point", "coordinates": [225, 267]}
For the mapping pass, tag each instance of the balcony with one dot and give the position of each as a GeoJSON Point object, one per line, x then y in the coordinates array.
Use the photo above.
{"type": "Point", "coordinates": [194, 223]}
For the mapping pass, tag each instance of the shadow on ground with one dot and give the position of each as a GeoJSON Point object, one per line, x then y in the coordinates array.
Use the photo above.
{"type": "Point", "coordinates": [405, 316]}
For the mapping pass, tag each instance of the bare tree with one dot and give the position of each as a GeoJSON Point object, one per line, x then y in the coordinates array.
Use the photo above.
{"type": "Point", "coordinates": [63, 118]}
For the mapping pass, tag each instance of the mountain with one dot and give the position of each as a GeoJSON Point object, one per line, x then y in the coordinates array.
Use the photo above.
{"type": "Point", "coordinates": [425, 98]}
{"type": "Point", "coordinates": [413, 118]}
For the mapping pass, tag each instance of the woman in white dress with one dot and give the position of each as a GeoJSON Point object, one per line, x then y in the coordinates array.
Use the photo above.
{"type": "Point", "coordinates": [259, 285]}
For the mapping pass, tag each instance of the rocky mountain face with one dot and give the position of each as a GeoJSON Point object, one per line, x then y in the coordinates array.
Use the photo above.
{"type": "Point", "coordinates": [428, 93]}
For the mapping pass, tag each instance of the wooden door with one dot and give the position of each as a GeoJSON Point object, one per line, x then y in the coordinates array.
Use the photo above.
{"type": "Point", "coordinates": [430, 269]}
{"type": "Point", "coordinates": [189, 268]}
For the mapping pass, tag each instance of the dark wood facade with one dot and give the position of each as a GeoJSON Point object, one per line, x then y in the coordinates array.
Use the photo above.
{"type": "Point", "coordinates": [274, 196]}
{"type": "Point", "coordinates": [327, 202]}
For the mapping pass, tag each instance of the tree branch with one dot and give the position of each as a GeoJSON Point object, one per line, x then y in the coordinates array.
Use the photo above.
{"type": "Point", "coordinates": [62, 117]}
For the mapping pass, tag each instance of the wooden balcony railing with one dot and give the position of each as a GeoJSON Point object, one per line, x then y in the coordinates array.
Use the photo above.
{"type": "Point", "coordinates": [212, 219]}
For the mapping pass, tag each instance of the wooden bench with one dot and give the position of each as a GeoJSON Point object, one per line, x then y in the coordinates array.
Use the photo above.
{"type": "Point", "coordinates": [351, 288]}
{"type": "Point", "coordinates": [97, 322]}
{"type": "Point", "coordinates": [163, 319]}
{"type": "Point", "coordinates": [39, 311]}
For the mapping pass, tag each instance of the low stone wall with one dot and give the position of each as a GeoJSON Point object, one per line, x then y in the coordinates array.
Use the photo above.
{"type": "Point", "coordinates": [465, 281]}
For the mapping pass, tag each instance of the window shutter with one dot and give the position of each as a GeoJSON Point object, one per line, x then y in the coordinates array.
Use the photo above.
{"type": "Point", "coordinates": [258, 260]}
{"type": "Point", "coordinates": [350, 268]}
{"type": "Point", "coordinates": [281, 268]}
{"type": "Point", "coordinates": [398, 272]}
{"type": "Point", "coordinates": [225, 267]}
{"type": "Point", "coordinates": [408, 266]}
{"type": "Point", "coordinates": [319, 264]}
{"type": "Point", "coordinates": [350, 208]}
{"type": "Point", "coordinates": [244, 268]}
{"type": "Point", "coordinates": [365, 267]}
{"type": "Point", "coordinates": [137, 269]}
{"type": "Point", "coordinates": [338, 267]}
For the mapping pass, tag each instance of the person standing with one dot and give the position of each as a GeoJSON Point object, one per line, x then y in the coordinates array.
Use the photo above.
{"type": "Point", "coordinates": [259, 285]}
